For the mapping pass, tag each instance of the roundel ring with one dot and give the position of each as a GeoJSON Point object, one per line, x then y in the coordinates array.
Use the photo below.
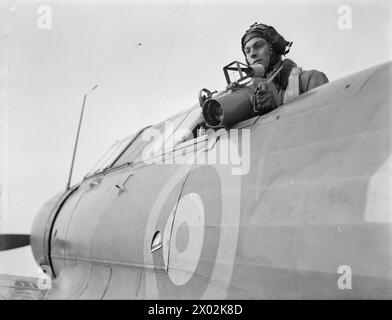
{"type": "Point", "coordinates": [226, 248]}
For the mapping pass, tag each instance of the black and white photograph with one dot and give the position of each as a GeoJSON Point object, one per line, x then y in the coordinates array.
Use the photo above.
{"type": "Point", "coordinates": [196, 150]}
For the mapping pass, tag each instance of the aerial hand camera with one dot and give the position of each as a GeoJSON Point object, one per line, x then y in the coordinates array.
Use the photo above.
{"type": "Point", "coordinates": [233, 104]}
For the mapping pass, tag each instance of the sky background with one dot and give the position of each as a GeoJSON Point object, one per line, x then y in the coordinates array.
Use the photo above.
{"type": "Point", "coordinates": [149, 59]}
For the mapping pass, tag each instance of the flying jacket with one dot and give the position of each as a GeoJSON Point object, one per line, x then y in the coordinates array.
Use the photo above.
{"type": "Point", "coordinates": [307, 79]}
{"type": "Point", "coordinates": [288, 84]}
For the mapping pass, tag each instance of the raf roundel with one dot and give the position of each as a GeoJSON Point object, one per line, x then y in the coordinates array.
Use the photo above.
{"type": "Point", "coordinates": [186, 239]}
{"type": "Point", "coordinates": [200, 234]}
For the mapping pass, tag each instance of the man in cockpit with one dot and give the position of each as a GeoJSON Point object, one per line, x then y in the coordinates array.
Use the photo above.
{"type": "Point", "coordinates": [263, 45]}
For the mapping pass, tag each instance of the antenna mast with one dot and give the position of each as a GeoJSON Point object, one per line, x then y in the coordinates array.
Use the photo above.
{"type": "Point", "coordinates": [77, 138]}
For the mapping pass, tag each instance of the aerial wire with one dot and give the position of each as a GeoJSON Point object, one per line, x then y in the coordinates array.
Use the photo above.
{"type": "Point", "coordinates": [157, 82]}
{"type": "Point", "coordinates": [139, 44]}
{"type": "Point", "coordinates": [108, 74]}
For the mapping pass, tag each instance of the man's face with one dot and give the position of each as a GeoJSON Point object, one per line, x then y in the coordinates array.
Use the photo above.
{"type": "Point", "coordinates": [257, 51]}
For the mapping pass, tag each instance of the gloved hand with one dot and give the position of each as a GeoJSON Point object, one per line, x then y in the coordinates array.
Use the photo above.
{"type": "Point", "coordinates": [266, 98]}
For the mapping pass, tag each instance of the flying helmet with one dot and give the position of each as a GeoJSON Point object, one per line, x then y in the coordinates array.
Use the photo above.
{"type": "Point", "coordinates": [277, 44]}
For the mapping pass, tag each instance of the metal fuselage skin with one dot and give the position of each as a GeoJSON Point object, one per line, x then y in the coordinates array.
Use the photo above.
{"type": "Point", "coordinates": [313, 201]}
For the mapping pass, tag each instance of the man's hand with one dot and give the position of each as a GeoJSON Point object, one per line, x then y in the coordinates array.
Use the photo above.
{"type": "Point", "coordinates": [266, 98]}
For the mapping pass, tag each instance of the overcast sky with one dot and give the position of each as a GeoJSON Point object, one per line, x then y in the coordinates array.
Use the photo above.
{"type": "Point", "coordinates": [149, 59]}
